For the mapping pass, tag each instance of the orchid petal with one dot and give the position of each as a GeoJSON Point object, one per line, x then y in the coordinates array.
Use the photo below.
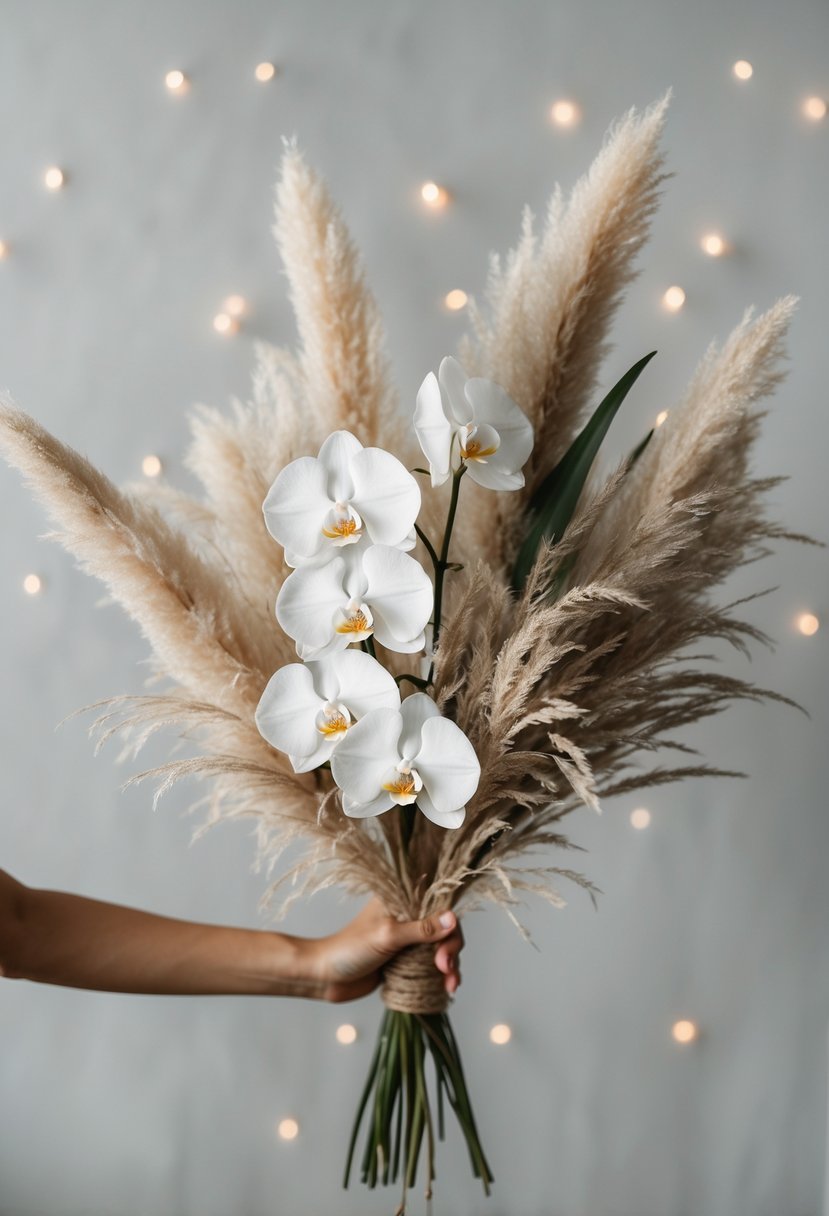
{"type": "Point", "coordinates": [362, 760]}
{"type": "Point", "coordinates": [363, 683]}
{"type": "Point", "coordinates": [491, 477]}
{"type": "Point", "coordinates": [433, 428]}
{"type": "Point", "coordinates": [336, 455]}
{"type": "Point", "coordinates": [305, 764]}
{"type": "Point", "coordinates": [362, 810]}
{"type": "Point", "coordinates": [400, 594]}
{"type": "Point", "coordinates": [385, 494]}
{"type": "Point", "coordinates": [447, 763]}
{"type": "Point", "coordinates": [453, 382]}
{"type": "Point", "coordinates": [443, 819]}
{"type": "Point", "coordinates": [491, 405]}
{"type": "Point", "coordinates": [307, 602]}
{"type": "Point", "coordinates": [287, 709]}
{"type": "Point", "coordinates": [296, 506]}
{"type": "Point", "coordinates": [415, 710]}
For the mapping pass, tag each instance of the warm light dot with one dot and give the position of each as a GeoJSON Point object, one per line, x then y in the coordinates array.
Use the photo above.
{"type": "Point", "coordinates": [743, 70]}
{"type": "Point", "coordinates": [346, 1034]}
{"type": "Point", "coordinates": [433, 195]}
{"type": "Point", "coordinates": [151, 466]}
{"type": "Point", "coordinates": [265, 72]}
{"type": "Point", "coordinates": [288, 1129]}
{"type": "Point", "coordinates": [223, 323]}
{"type": "Point", "coordinates": [684, 1031]}
{"type": "Point", "coordinates": [673, 299]}
{"type": "Point", "coordinates": [176, 81]}
{"type": "Point", "coordinates": [564, 113]}
{"type": "Point", "coordinates": [455, 300]}
{"type": "Point", "coordinates": [640, 818]}
{"type": "Point", "coordinates": [808, 624]}
{"type": "Point", "coordinates": [54, 178]}
{"type": "Point", "coordinates": [814, 108]}
{"type": "Point", "coordinates": [33, 584]}
{"type": "Point", "coordinates": [713, 244]}
{"type": "Point", "coordinates": [4, 249]}
{"type": "Point", "coordinates": [235, 306]}
{"type": "Point", "coordinates": [661, 417]}
{"type": "Point", "coordinates": [500, 1034]}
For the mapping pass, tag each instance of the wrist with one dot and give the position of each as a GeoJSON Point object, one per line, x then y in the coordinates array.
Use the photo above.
{"type": "Point", "coordinates": [295, 967]}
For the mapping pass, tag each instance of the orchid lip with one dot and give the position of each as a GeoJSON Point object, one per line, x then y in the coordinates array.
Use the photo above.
{"type": "Point", "coordinates": [405, 785]}
{"type": "Point", "coordinates": [333, 720]}
{"type": "Point", "coordinates": [355, 621]}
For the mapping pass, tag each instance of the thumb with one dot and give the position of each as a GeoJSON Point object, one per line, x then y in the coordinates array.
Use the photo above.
{"type": "Point", "coordinates": [430, 929]}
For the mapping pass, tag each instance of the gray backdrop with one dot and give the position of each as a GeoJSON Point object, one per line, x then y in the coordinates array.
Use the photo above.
{"type": "Point", "coordinates": [125, 1105]}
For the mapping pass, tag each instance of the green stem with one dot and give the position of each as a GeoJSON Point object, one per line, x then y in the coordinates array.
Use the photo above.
{"type": "Point", "coordinates": [443, 560]}
{"type": "Point", "coordinates": [368, 646]}
{"type": "Point", "coordinates": [428, 546]}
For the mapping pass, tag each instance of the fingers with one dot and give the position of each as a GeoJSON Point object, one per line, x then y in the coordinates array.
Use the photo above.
{"type": "Point", "coordinates": [434, 928]}
{"type": "Point", "coordinates": [447, 960]}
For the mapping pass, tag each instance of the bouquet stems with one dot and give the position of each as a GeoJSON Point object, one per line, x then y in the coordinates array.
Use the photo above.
{"type": "Point", "coordinates": [396, 1103]}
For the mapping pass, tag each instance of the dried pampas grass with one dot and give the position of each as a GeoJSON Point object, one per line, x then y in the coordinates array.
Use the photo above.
{"type": "Point", "coordinates": [561, 695]}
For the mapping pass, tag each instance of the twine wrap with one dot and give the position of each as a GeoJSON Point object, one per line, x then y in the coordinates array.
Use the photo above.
{"type": "Point", "coordinates": [413, 984]}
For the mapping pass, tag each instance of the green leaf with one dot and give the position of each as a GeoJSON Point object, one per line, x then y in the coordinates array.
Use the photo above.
{"type": "Point", "coordinates": [555, 500]}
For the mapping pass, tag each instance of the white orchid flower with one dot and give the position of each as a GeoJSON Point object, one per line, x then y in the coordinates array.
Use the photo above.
{"type": "Point", "coordinates": [384, 593]}
{"type": "Point", "coordinates": [306, 710]}
{"type": "Point", "coordinates": [471, 420]}
{"type": "Point", "coordinates": [319, 506]}
{"type": "Point", "coordinates": [399, 757]}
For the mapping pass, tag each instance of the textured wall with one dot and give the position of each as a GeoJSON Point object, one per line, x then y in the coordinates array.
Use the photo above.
{"type": "Point", "coordinates": [116, 1104]}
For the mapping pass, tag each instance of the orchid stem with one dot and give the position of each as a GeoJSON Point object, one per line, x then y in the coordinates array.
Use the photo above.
{"type": "Point", "coordinates": [428, 546]}
{"type": "Point", "coordinates": [442, 563]}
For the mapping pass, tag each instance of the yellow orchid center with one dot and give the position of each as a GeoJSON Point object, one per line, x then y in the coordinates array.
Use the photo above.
{"type": "Point", "coordinates": [333, 721]}
{"type": "Point", "coordinates": [474, 451]}
{"type": "Point", "coordinates": [405, 786]}
{"type": "Point", "coordinates": [342, 525]}
{"type": "Point", "coordinates": [355, 621]}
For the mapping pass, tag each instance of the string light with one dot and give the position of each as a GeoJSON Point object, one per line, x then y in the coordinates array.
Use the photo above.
{"type": "Point", "coordinates": [684, 1031]}
{"type": "Point", "coordinates": [808, 624]}
{"type": "Point", "coordinates": [288, 1129]}
{"type": "Point", "coordinates": [814, 108]}
{"type": "Point", "coordinates": [54, 178]}
{"type": "Point", "coordinates": [176, 81]}
{"type": "Point", "coordinates": [455, 300]}
{"type": "Point", "coordinates": [673, 299]}
{"type": "Point", "coordinates": [500, 1034]}
{"type": "Point", "coordinates": [564, 113]}
{"type": "Point", "coordinates": [713, 244]}
{"type": "Point", "coordinates": [265, 72]}
{"type": "Point", "coordinates": [346, 1034]}
{"type": "Point", "coordinates": [661, 417]}
{"type": "Point", "coordinates": [4, 250]}
{"type": "Point", "coordinates": [151, 466]}
{"type": "Point", "coordinates": [235, 306]}
{"type": "Point", "coordinates": [33, 584]}
{"type": "Point", "coordinates": [640, 818]}
{"type": "Point", "coordinates": [434, 196]}
{"type": "Point", "coordinates": [223, 323]}
{"type": "Point", "coordinates": [743, 70]}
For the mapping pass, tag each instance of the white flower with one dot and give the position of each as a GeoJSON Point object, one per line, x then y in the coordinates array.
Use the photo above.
{"type": "Point", "coordinates": [397, 757]}
{"type": "Point", "coordinates": [319, 506]}
{"type": "Point", "coordinates": [306, 710]}
{"type": "Point", "coordinates": [383, 592]}
{"type": "Point", "coordinates": [474, 421]}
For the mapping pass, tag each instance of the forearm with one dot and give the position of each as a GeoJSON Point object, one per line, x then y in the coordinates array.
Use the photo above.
{"type": "Point", "coordinates": [65, 939]}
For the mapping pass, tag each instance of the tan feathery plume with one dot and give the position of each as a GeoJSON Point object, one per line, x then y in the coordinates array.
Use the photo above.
{"type": "Point", "coordinates": [198, 637]}
{"type": "Point", "coordinates": [344, 370]}
{"type": "Point", "coordinates": [549, 310]}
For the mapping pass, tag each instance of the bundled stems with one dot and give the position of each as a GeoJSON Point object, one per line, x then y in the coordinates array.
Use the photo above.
{"type": "Point", "coordinates": [400, 1108]}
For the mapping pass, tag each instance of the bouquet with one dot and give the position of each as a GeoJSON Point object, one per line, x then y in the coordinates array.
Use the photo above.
{"type": "Point", "coordinates": [419, 644]}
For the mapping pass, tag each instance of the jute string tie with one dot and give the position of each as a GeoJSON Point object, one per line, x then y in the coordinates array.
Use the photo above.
{"type": "Point", "coordinates": [413, 984]}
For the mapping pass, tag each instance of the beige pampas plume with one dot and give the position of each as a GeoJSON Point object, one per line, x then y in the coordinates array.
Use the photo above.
{"type": "Point", "coordinates": [345, 377]}
{"type": "Point", "coordinates": [549, 306]}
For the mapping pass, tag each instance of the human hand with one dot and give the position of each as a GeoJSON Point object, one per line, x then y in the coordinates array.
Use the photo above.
{"type": "Point", "coordinates": [349, 963]}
